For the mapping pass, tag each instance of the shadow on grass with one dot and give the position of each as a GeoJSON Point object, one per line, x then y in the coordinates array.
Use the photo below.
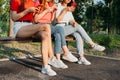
{"type": "Point", "coordinates": [7, 52]}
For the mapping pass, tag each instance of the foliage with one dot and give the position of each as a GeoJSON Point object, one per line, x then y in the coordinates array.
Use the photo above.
{"type": "Point", "coordinates": [115, 16]}
{"type": "Point", "coordinates": [93, 17]}
{"type": "Point", "coordinates": [4, 16]}
{"type": "Point", "coordinates": [4, 29]}
{"type": "Point", "coordinates": [109, 41]}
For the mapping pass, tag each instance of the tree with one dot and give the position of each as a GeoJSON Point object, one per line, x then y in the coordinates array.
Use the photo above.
{"type": "Point", "coordinates": [80, 11]}
{"type": "Point", "coordinates": [4, 16]}
{"type": "Point", "coordinates": [115, 8]}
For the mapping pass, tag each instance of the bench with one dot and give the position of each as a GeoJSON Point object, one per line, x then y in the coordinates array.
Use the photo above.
{"type": "Point", "coordinates": [4, 40]}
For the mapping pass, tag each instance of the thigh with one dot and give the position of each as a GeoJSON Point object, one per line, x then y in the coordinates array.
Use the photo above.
{"type": "Point", "coordinates": [28, 30]}
{"type": "Point", "coordinates": [69, 30]}
{"type": "Point", "coordinates": [18, 26]}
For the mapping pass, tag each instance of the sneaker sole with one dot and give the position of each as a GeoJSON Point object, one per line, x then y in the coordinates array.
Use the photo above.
{"type": "Point", "coordinates": [99, 50]}
{"type": "Point", "coordinates": [47, 74]}
{"type": "Point", "coordinates": [68, 60]}
{"type": "Point", "coordinates": [84, 64]}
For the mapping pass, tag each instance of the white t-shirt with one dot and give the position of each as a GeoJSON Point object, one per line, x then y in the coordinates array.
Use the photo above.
{"type": "Point", "coordinates": [67, 17]}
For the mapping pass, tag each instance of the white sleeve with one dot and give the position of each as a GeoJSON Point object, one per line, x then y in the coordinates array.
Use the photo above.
{"type": "Point", "coordinates": [71, 16]}
{"type": "Point", "coordinates": [59, 10]}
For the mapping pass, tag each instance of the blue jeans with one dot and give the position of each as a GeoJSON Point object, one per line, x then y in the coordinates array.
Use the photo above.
{"type": "Point", "coordinates": [80, 34]}
{"type": "Point", "coordinates": [58, 33]}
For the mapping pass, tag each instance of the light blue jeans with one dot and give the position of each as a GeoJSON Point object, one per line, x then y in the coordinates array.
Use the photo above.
{"type": "Point", "coordinates": [80, 34]}
{"type": "Point", "coordinates": [59, 36]}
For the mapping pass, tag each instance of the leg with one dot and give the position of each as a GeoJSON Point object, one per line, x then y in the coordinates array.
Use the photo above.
{"type": "Point", "coordinates": [79, 43]}
{"type": "Point", "coordinates": [30, 30]}
{"type": "Point", "coordinates": [57, 45]}
{"type": "Point", "coordinates": [46, 69]}
{"type": "Point", "coordinates": [80, 49]}
{"type": "Point", "coordinates": [85, 36]}
{"type": "Point", "coordinates": [44, 46]}
{"type": "Point", "coordinates": [67, 54]}
{"type": "Point", "coordinates": [57, 49]}
{"type": "Point", "coordinates": [60, 40]}
{"type": "Point", "coordinates": [47, 50]}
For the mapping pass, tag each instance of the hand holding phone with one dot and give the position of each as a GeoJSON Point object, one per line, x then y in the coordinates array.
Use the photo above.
{"type": "Point", "coordinates": [74, 4]}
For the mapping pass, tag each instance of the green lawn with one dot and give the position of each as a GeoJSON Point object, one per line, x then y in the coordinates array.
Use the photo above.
{"type": "Point", "coordinates": [111, 42]}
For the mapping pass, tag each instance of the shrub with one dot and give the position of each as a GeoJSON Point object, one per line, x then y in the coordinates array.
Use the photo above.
{"type": "Point", "coordinates": [109, 41]}
{"type": "Point", "coordinates": [4, 29]}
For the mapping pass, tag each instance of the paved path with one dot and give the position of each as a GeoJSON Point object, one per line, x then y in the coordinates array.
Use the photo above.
{"type": "Point", "coordinates": [29, 69]}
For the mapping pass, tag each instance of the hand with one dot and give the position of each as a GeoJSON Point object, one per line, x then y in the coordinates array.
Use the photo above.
{"type": "Point", "coordinates": [71, 9]}
{"type": "Point", "coordinates": [31, 9]}
{"type": "Point", "coordinates": [37, 10]}
{"type": "Point", "coordinates": [55, 7]}
{"type": "Point", "coordinates": [75, 24]}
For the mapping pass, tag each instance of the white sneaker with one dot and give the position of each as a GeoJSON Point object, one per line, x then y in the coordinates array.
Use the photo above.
{"type": "Point", "coordinates": [83, 60]}
{"type": "Point", "coordinates": [47, 70]}
{"type": "Point", "coordinates": [61, 64]}
{"type": "Point", "coordinates": [57, 63]}
{"type": "Point", "coordinates": [52, 61]}
{"type": "Point", "coordinates": [97, 47]}
{"type": "Point", "coordinates": [69, 57]}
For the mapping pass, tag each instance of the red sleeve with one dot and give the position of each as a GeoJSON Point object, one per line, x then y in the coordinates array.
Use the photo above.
{"type": "Point", "coordinates": [14, 5]}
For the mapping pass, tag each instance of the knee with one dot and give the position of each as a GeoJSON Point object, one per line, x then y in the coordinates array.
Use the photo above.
{"type": "Point", "coordinates": [44, 35]}
{"type": "Point", "coordinates": [57, 37]}
{"type": "Point", "coordinates": [60, 29]}
{"type": "Point", "coordinates": [47, 28]}
{"type": "Point", "coordinates": [76, 35]}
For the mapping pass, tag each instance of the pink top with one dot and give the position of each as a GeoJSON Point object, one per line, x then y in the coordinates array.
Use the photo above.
{"type": "Point", "coordinates": [47, 18]}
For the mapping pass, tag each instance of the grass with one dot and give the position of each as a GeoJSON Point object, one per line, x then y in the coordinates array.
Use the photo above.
{"type": "Point", "coordinates": [111, 42]}
{"type": "Point", "coordinates": [19, 49]}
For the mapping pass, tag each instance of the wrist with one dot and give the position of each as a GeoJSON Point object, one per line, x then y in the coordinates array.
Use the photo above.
{"type": "Point", "coordinates": [27, 11]}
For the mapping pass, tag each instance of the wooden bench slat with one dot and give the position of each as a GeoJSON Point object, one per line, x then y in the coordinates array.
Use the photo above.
{"type": "Point", "coordinates": [33, 39]}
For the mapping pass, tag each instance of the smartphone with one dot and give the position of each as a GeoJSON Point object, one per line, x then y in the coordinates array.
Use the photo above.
{"type": "Point", "coordinates": [74, 4]}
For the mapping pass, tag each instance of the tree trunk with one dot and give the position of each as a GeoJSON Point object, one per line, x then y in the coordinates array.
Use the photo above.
{"type": "Point", "coordinates": [11, 33]}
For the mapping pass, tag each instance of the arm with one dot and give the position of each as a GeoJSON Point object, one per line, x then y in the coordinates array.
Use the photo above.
{"type": "Point", "coordinates": [40, 15]}
{"type": "Point", "coordinates": [72, 21]}
{"type": "Point", "coordinates": [55, 7]}
{"type": "Point", "coordinates": [62, 13]}
{"type": "Point", "coordinates": [53, 15]}
{"type": "Point", "coordinates": [50, 9]}
{"type": "Point", "coordinates": [60, 17]}
{"type": "Point", "coordinates": [16, 16]}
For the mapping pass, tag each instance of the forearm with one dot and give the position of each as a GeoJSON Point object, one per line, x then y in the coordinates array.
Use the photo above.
{"type": "Point", "coordinates": [53, 15]}
{"type": "Point", "coordinates": [16, 16]}
{"type": "Point", "coordinates": [40, 15]}
{"type": "Point", "coordinates": [61, 16]}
